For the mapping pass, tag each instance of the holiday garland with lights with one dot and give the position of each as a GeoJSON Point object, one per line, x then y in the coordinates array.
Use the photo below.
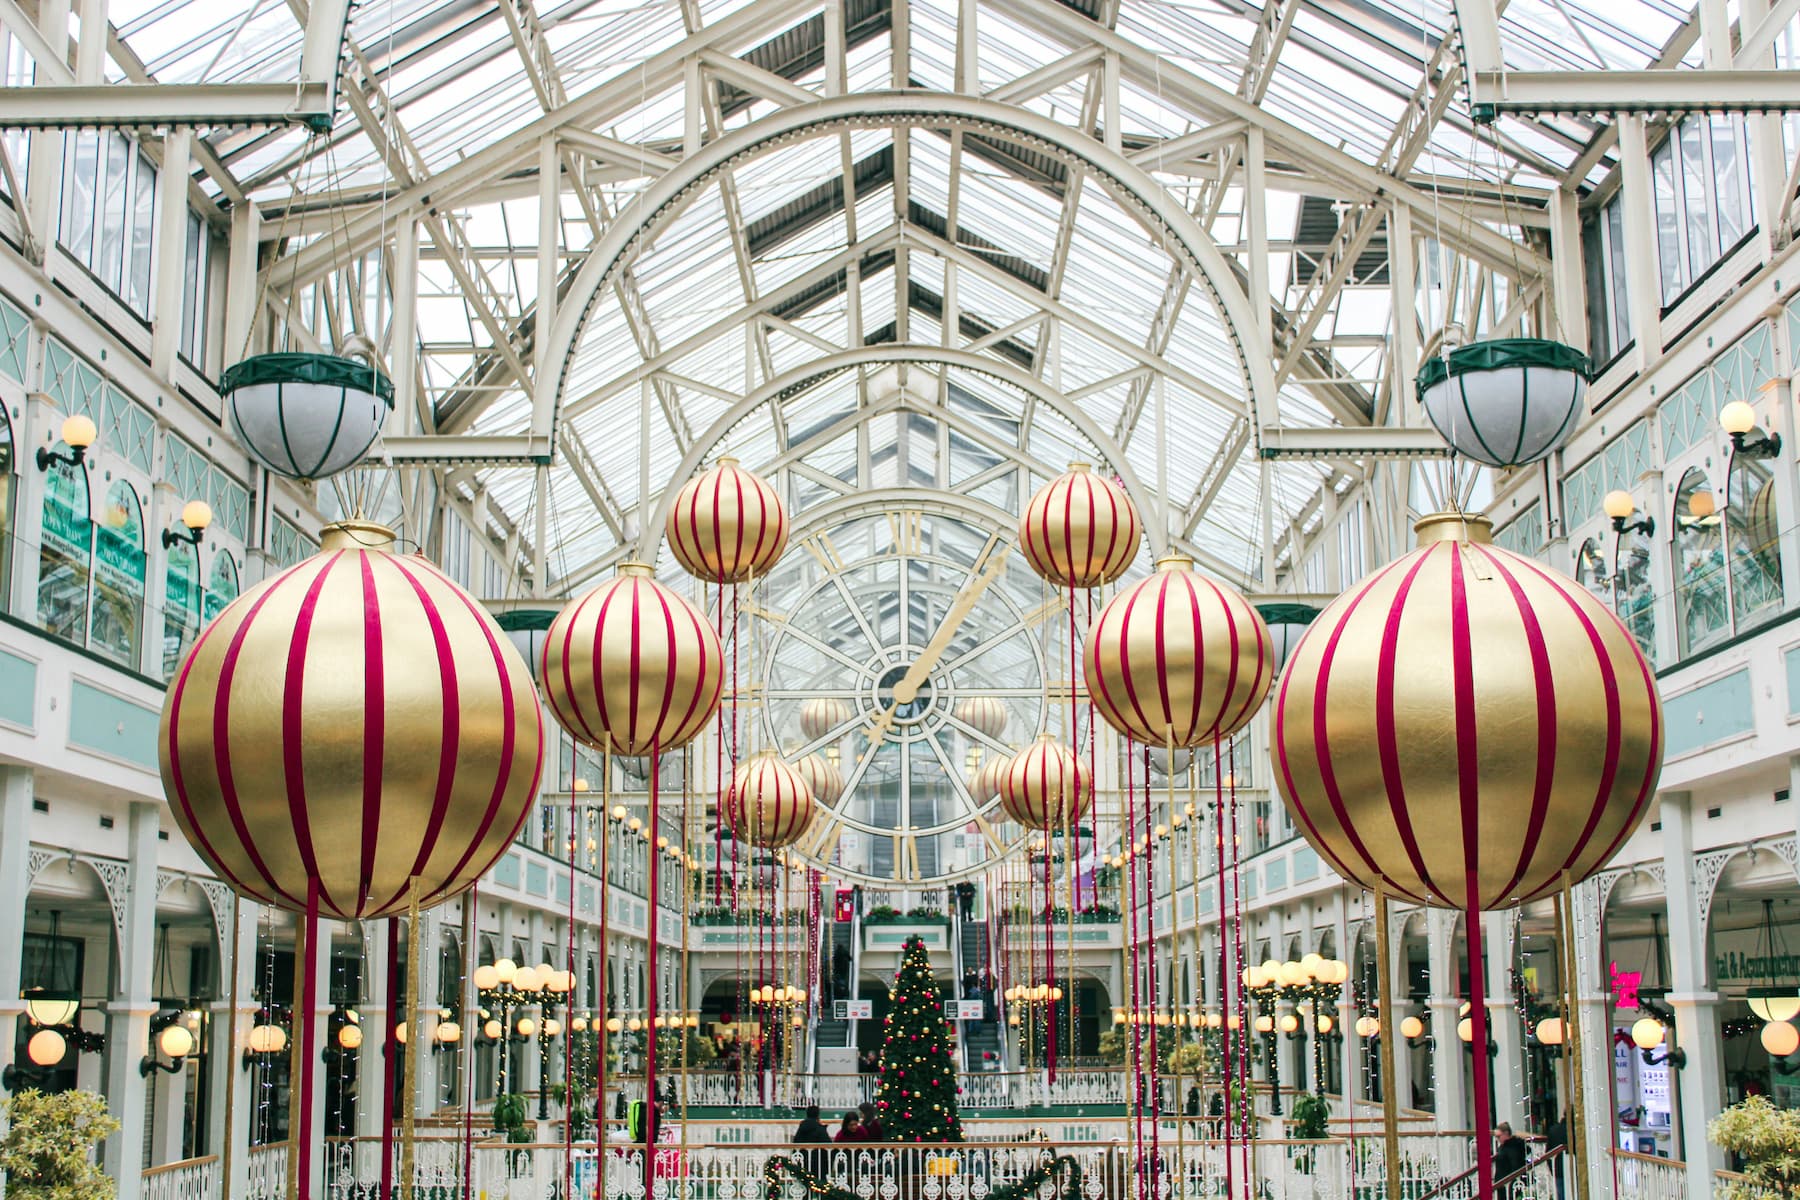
{"type": "Point", "coordinates": [916, 1099]}
{"type": "Point", "coordinates": [1060, 1171]}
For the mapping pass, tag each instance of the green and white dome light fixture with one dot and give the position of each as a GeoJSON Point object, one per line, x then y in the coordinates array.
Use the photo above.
{"type": "Point", "coordinates": [1506, 402]}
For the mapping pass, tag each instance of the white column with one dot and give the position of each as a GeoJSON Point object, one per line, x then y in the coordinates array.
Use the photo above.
{"type": "Point", "coordinates": [1503, 1023]}
{"type": "Point", "coordinates": [128, 1021]}
{"type": "Point", "coordinates": [43, 188]}
{"type": "Point", "coordinates": [1702, 1081]}
{"type": "Point", "coordinates": [1450, 1089]}
{"type": "Point", "coordinates": [171, 251]}
{"type": "Point", "coordinates": [371, 1064]}
{"type": "Point", "coordinates": [16, 790]}
{"type": "Point", "coordinates": [1640, 239]}
{"type": "Point", "coordinates": [425, 1017]}
{"type": "Point", "coordinates": [230, 1035]}
{"type": "Point", "coordinates": [320, 952]}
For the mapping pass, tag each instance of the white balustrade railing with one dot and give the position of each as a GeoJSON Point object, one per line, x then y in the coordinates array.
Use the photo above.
{"type": "Point", "coordinates": [1284, 1170]}
{"type": "Point", "coordinates": [1646, 1177]}
{"type": "Point", "coordinates": [189, 1179]}
{"type": "Point", "coordinates": [268, 1172]}
{"type": "Point", "coordinates": [835, 1094]}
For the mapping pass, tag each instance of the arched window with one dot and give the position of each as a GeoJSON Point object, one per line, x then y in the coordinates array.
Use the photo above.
{"type": "Point", "coordinates": [119, 562]}
{"type": "Point", "coordinates": [1634, 590]}
{"type": "Point", "coordinates": [1590, 571]}
{"type": "Point", "coordinates": [1702, 599]}
{"type": "Point", "coordinates": [222, 587]}
{"type": "Point", "coordinates": [1753, 528]}
{"type": "Point", "coordinates": [8, 494]}
{"type": "Point", "coordinates": [65, 551]}
{"type": "Point", "coordinates": [181, 604]}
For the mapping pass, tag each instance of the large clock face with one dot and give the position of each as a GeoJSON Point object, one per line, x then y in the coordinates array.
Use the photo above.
{"type": "Point", "coordinates": [889, 640]}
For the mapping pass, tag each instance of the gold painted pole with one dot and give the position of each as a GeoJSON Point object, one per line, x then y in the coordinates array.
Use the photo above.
{"type": "Point", "coordinates": [1390, 1104]}
{"type": "Point", "coordinates": [414, 1043]}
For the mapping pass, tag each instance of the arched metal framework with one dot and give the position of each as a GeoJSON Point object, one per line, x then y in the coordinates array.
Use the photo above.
{"type": "Point", "coordinates": [1180, 234]}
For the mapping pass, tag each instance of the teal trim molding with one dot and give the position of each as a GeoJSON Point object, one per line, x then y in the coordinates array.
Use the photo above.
{"type": "Point", "coordinates": [18, 690]}
{"type": "Point", "coordinates": [1711, 713]}
{"type": "Point", "coordinates": [112, 725]}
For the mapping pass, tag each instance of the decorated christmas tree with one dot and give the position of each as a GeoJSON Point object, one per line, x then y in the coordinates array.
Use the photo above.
{"type": "Point", "coordinates": [916, 1100]}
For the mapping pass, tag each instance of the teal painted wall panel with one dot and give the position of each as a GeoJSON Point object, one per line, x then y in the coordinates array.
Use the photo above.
{"type": "Point", "coordinates": [18, 690]}
{"type": "Point", "coordinates": [506, 871]}
{"type": "Point", "coordinates": [1275, 874]}
{"type": "Point", "coordinates": [112, 725]}
{"type": "Point", "coordinates": [537, 879]}
{"type": "Point", "coordinates": [1709, 713]}
{"type": "Point", "coordinates": [1306, 864]}
{"type": "Point", "coordinates": [1792, 658]}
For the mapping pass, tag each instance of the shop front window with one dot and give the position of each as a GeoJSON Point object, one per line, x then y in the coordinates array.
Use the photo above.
{"type": "Point", "coordinates": [119, 564]}
{"type": "Point", "coordinates": [65, 551]}
{"type": "Point", "coordinates": [1701, 593]}
{"type": "Point", "coordinates": [1590, 571]}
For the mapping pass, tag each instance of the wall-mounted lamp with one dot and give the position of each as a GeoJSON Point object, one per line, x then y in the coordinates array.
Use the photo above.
{"type": "Point", "coordinates": [78, 433]}
{"type": "Point", "coordinates": [196, 515]}
{"type": "Point", "coordinates": [1738, 419]}
{"type": "Point", "coordinates": [173, 1042]}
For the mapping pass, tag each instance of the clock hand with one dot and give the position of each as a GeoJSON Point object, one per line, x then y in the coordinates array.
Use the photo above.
{"type": "Point", "coordinates": [907, 689]}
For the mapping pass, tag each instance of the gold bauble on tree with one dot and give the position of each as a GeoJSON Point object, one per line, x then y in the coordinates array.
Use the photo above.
{"type": "Point", "coordinates": [1467, 725]}
{"type": "Point", "coordinates": [1046, 786]}
{"type": "Point", "coordinates": [632, 667]}
{"type": "Point", "coordinates": [357, 726]}
{"type": "Point", "coordinates": [768, 804]}
{"type": "Point", "coordinates": [727, 525]}
{"type": "Point", "coordinates": [1080, 529]}
{"type": "Point", "coordinates": [1178, 659]}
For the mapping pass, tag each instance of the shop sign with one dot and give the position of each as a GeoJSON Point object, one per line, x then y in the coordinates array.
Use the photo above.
{"type": "Point", "coordinates": [1744, 955]}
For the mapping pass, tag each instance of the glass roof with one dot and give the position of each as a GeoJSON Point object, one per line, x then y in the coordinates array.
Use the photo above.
{"type": "Point", "coordinates": [1047, 272]}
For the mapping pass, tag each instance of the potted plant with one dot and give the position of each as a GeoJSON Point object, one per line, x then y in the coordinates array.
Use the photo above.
{"type": "Point", "coordinates": [48, 1149]}
{"type": "Point", "coordinates": [1767, 1140]}
{"type": "Point", "coordinates": [1309, 1121]}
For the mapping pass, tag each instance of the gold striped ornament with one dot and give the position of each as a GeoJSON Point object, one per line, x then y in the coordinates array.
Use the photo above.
{"type": "Point", "coordinates": [822, 778]}
{"type": "Point", "coordinates": [822, 714]}
{"type": "Point", "coordinates": [984, 783]}
{"type": "Point", "coordinates": [984, 714]}
{"type": "Point", "coordinates": [1080, 530]}
{"type": "Point", "coordinates": [1466, 726]}
{"type": "Point", "coordinates": [1046, 786]}
{"type": "Point", "coordinates": [1178, 659]}
{"type": "Point", "coordinates": [358, 726]}
{"type": "Point", "coordinates": [631, 667]}
{"type": "Point", "coordinates": [768, 804]}
{"type": "Point", "coordinates": [727, 525]}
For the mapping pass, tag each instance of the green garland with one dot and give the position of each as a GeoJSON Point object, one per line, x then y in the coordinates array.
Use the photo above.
{"type": "Point", "coordinates": [1061, 1170]}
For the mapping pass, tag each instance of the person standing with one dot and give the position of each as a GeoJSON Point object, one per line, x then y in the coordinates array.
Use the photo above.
{"type": "Point", "coordinates": [812, 1131]}
{"type": "Point", "coordinates": [1509, 1152]}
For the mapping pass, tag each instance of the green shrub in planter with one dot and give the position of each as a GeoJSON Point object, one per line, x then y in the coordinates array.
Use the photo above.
{"type": "Point", "coordinates": [48, 1149]}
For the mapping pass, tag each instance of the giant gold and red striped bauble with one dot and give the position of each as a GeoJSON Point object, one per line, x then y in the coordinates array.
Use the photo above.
{"type": "Point", "coordinates": [983, 714]}
{"type": "Point", "coordinates": [1080, 529]}
{"type": "Point", "coordinates": [768, 804]}
{"type": "Point", "coordinates": [727, 525]}
{"type": "Point", "coordinates": [357, 724]}
{"type": "Point", "coordinates": [822, 714]}
{"type": "Point", "coordinates": [1467, 725]}
{"type": "Point", "coordinates": [984, 784]}
{"type": "Point", "coordinates": [632, 667]}
{"type": "Point", "coordinates": [1178, 659]}
{"type": "Point", "coordinates": [1046, 786]}
{"type": "Point", "coordinates": [821, 777]}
